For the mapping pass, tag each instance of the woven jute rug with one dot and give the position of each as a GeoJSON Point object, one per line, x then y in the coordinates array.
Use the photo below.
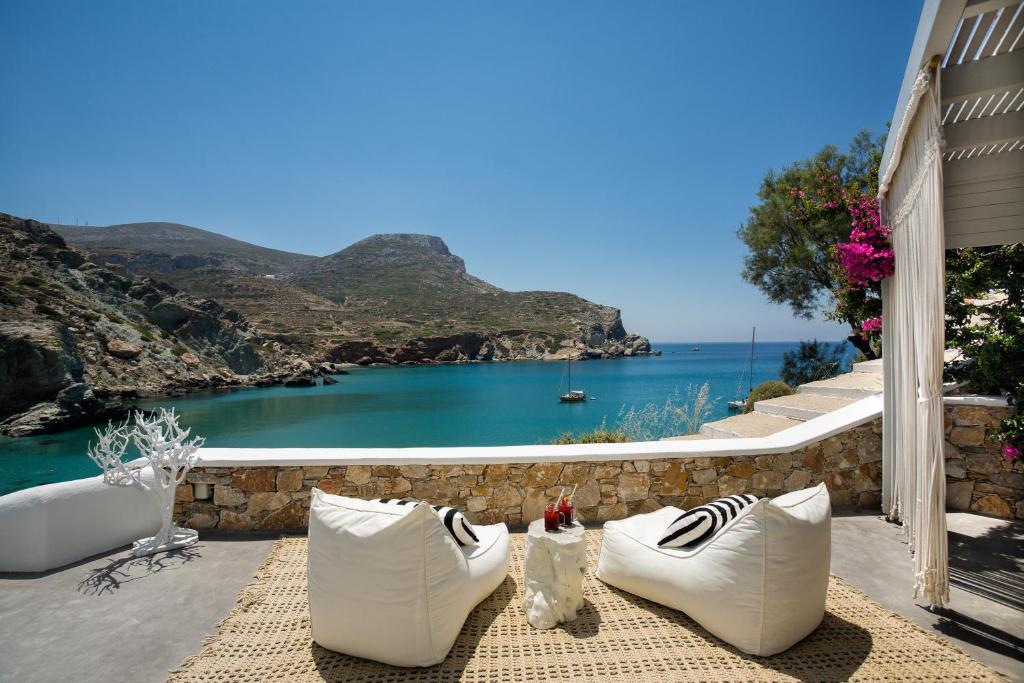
{"type": "Point", "coordinates": [616, 637]}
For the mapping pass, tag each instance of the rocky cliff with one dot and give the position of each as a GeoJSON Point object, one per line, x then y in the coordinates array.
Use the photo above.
{"type": "Point", "coordinates": [393, 298]}
{"type": "Point", "coordinates": [79, 342]}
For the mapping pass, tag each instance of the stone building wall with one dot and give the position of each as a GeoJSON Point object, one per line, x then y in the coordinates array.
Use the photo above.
{"type": "Point", "coordinates": [515, 493]}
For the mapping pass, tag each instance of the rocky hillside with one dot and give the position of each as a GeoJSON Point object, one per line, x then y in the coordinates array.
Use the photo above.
{"type": "Point", "coordinates": [78, 342]}
{"type": "Point", "coordinates": [396, 298]}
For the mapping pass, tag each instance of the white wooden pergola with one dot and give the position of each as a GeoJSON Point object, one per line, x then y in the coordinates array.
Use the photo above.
{"type": "Point", "coordinates": [952, 175]}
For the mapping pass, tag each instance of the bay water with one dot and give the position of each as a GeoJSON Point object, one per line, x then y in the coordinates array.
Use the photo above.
{"type": "Point", "coordinates": [475, 404]}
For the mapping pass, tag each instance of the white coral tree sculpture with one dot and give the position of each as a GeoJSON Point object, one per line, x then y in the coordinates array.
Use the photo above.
{"type": "Point", "coordinates": [166, 449]}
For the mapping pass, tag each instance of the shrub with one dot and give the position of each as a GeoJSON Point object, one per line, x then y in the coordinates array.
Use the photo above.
{"type": "Point", "coordinates": [46, 310]}
{"type": "Point", "coordinates": [10, 299]}
{"type": "Point", "coordinates": [600, 435]}
{"type": "Point", "coordinates": [31, 281]}
{"type": "Point", "coordinates": [814, 360]}
{"type": "Point", "coordinates": [767, 390]}
{"type": "Point", "coordinates": [178, 350]}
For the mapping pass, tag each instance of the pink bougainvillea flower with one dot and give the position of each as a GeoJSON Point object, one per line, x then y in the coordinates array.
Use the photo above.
{"type": "Point", "coordinates": [1010, 452]}
{"type": "Point", "coordinates": [874, 325]}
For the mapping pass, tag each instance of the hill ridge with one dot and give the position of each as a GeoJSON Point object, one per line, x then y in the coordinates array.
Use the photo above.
{"type": "Point", "coordinates": [392, 290]}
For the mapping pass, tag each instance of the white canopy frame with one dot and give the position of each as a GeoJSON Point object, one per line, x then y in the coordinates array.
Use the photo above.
{"type": "Point", "coordinates": [952, 175]}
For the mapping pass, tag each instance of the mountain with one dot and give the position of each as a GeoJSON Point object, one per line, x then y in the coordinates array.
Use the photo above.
{"type": "Point", "coordinates": [386, 299]}
{"type": "Point", "coordinates": [78, 342]}
{"type": "Point", "coordinates": [167, 247]}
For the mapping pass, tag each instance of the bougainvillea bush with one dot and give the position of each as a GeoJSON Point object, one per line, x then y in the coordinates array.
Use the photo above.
{"type": "Point", "coordinates": [860, 263]}
{"type": "Point", "coordinates": [792, 234]}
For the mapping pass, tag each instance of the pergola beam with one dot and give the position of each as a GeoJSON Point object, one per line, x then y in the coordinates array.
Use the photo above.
{"type": "Point", "coordinates": [982, 77]}
{"type": "Point", "coordinates": [976, 7]}
{"type": "Point", "coordinates": [985, 131]}
{"type": "Point", "coordinates": [984, 199]}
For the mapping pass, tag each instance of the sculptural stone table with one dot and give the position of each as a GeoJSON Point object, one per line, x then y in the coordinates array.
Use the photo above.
{"type": "Point", "coordinates": [555, 563]}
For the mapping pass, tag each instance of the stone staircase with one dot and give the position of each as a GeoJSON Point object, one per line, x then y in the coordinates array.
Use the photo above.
{"type": "Point", "coordinates": [812, 400]}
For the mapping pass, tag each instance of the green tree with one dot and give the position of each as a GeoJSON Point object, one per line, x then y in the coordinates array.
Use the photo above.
{"type": "Point", "coordinates": [985, 321]}
{"type": "Point", "coordinates": [814, 360]}
{"type": "Point", "coordinates": [790, 248]}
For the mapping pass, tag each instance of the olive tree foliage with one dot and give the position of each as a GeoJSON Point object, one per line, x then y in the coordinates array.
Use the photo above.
{"type": "Point", "coordinates": [790, 253]}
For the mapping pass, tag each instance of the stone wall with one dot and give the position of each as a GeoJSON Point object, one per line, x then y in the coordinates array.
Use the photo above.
{"type": "Point", "coordinates": [515, 493]}
{"type": "Point", "coordinates": [978, 478]}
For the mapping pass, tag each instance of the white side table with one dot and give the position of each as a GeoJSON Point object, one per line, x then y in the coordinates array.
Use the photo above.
{"type": "Point", "coordinates": [555, 563]}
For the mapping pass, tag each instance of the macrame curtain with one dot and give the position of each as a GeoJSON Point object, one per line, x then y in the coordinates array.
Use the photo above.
{"type": "Point", "coordinates": [913, 463]}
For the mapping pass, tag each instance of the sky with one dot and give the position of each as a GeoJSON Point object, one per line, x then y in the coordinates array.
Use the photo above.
{"type": "Point", "coordinates": [610, 149]}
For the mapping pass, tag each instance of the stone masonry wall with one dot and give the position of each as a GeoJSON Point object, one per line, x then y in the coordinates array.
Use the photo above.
{"type": "Point", "coordinates": [515, 493]}
{"type": "Point", "coordinates": [978, 478]}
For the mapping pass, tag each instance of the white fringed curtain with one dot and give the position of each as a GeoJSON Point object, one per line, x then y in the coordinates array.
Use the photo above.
{"type": "Point", "coordinates": [913, 463]}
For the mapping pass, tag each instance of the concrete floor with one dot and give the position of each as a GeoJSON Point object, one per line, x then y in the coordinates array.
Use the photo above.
{"type": "Point", "coordinates": [114, 618]}
{"type": "Point", "coordinates": [985, 615]}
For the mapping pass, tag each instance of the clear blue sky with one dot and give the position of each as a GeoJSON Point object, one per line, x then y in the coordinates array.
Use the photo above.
{"type": "Point", "coordinates": [608, 149]}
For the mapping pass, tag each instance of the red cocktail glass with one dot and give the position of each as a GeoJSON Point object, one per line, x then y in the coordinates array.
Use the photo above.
{"type": "Point", "coordinates": [551, 518]}
{"type": "Point", "coordinates": [566, 509]}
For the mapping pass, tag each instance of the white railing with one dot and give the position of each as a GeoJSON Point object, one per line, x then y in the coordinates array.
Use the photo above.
{"type": "Point", "coordinates": [786, 441]}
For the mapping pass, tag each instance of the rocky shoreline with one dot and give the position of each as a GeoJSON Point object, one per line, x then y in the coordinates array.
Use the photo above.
{"type": "Point", "coordinates": [468, 347]}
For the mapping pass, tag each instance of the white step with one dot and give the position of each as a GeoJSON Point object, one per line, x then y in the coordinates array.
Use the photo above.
{"type": "Point", "coordinates": [749, 425]}
{"type": "Point", "coordinates": [801, 406]}
{"type": "Point", "coordinates": [852, 385]}
{"type": "Point", "coordinates": [873, 366]}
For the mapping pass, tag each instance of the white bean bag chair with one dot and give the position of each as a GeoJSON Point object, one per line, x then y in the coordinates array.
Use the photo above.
{"type": "Point", "coordinates": [389, 583]}
{"type": "Point", "coordinates": [759, 584]}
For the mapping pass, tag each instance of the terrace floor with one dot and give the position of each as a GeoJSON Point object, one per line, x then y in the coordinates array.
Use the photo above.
{"type": "Point", "coordinates": [115, 618]}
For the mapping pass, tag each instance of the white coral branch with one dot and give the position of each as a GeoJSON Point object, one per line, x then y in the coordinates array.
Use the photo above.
{"type": "Point", "coordinates": [167, 449]}
{"type": "Point", "coordinates": [108, 454]}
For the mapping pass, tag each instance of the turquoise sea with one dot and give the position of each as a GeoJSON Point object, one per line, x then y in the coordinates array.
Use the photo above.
{"type": "Point", "coordinates": [440, 405]}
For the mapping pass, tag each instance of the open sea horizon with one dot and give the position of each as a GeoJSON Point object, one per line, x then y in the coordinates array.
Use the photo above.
{"type": "Point", "coordinates": [472, 404]}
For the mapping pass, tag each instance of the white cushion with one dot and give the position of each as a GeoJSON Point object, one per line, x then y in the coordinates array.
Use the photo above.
{"type": "Point", "coordinates": [389, 583]}
{"type": "Point", "coordinates": [759, 584]}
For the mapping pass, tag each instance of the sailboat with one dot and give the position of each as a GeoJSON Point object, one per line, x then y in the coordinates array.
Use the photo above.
{"type": "Point", "coordinates": [572, 396]}
{"type": "Point", "coordinates": [738, 403]}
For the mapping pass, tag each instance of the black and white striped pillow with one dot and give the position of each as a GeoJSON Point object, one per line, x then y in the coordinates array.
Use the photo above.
{"type": "Point", "coordinates": [701, 523]}
{"type": "Point", "coordinates": [454, 521]}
